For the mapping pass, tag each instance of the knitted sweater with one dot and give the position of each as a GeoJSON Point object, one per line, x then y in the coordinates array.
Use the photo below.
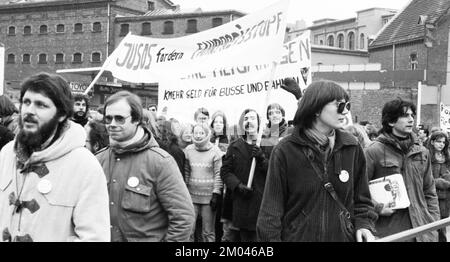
{"type": "Point", "coordinates": [202, 172]}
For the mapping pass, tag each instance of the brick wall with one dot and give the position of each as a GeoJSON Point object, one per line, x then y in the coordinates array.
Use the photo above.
{"type": "Point", "coordinates": [368, 104]}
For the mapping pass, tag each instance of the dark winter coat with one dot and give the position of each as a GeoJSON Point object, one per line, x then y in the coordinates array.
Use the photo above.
{"type": "Point", "coordinates": [384, 158]}
{"type": "Point", "coordinates": [297, 208]}
{"type": "Point", "coordinates": [235, 169]}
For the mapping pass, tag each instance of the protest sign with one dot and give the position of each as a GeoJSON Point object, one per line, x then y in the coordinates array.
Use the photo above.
{"type": "Point", "coordinates": [445, 117]}
{"type": "Point", "coordinates": [225, 68]}
{"type": "Point", "coordinates": [234, 89]}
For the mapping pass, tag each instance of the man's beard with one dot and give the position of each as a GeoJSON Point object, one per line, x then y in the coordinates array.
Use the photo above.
{"type": "Point", "coordinates": [79, 115]}
{"type": "Point", "coordinates": [32, 141]}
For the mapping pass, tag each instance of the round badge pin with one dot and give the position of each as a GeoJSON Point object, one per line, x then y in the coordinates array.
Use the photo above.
{"type": "Point", "coordinates": [133, 181]}
{"type": "Point", "coordinates": [44, 186]}
{"type": "Point", "coordinates": [344, 176]}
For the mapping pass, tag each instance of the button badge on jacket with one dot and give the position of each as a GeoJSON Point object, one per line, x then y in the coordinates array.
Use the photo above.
{"type": "Point", "coordinates": [344, 176]}
{"type": "Point", "coordinates": [133, 181]}
{"type": "Point", "coordinates": [44, 186]}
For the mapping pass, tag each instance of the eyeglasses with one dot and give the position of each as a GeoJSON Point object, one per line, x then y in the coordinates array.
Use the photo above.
{"type": "Point", "coordinates": [119, 119]}
{"type": "Point", "coordinates": [342, 105]}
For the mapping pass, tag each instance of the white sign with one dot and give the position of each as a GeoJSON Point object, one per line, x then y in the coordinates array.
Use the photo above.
{"type": "Point", "coordinates": [445, 117]}
{"type": "Point", "coordinates": [2, 69]}
{"type": "Point", "coordinates": [253, 39]}
{"type": "Point", "coordinates": [237, 88]}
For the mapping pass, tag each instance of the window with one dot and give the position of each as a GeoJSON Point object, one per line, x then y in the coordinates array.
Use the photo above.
{"type": "Point", "coordinates": [11, 30]}
{"type": "Point", "coordinates": [146, 29]}
{"type": "Point", "coordinates": [217, 21]}
{"type": "Point", "coordinates": [11, 59]}
{"type": "Point", "coordinates": [413, 61]}
{"type": "Point", "coordinates": [150, 5]}
{"type": "Point", "coordinates": [168, 28]}
{"type": "Point", "coordinates": [96, 27]}
{"type": "Point", "coordinates": [27, 30]}
{"type": "Point", "coordinates": [321, 42]}
{"type": "Point", "coordinates": [340, 41]}
{"type": "Point", "coordinates": [59, 58]}
{"type": "Point", "coordinates": [385, 21]}
{"type": "Point", "coordinates": [362, 41]}
{"type": "Point", "coordinates": [60, 28]}
{"type": "Point", "coordinates": [191, 26]}
{"type": "Point", "coordinates": [77, 58]}
{"type": "Point", "coordinates": [331, 40]}
{"type": "Point", "coordinates": [78, 28]}
{"type": "Point", "coordinates": [26, 59]}
{"type": "Point", "coordinates": [42, 59]}
{"type": "Point", "coordinates": [96, 57]}
{"type": "Point", "coordinates": [124, 29]}
{"type": "Point", "coordinates": [43, 30]}
{"type": "Point", "coordinates": [351, 41]}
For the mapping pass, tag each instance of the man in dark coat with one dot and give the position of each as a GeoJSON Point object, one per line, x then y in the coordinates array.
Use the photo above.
{"type": "Point", "coordinates": [235, 174]}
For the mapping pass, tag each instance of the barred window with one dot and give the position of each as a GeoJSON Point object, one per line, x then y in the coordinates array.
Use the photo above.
{"type": "Point", "coordinates": [168, 28]}
{"type": "Point", "coordinates": [11, 59]}
{"type": "Point", "coordinates": [26, 59]}
{"type": "Point", "coordinates": [191, 26]}
{"type": "Point", "coordinates": [96, 57]}
{"type": "Point", "coordinates": [78, 28]}
{"type": "Point", "coordinates": [11, 30]}
{"type": "Point", "coordinates": [59, 58]}
{"type": "Point", "coordinates": [60, 28]}
{"type": "Point", "coordinates": [43, 29]}
{"type": "Point", "coordinates": [217, 21]}
{"type": "Point", "coordinates": [97, 27]}
{"type": "Point", "coordinates": [27, 30]}
{"type": "Point", "coordinates": [77, 58]}
{"type": "Point", "coordinates": [146, 29]}
{"type": "Point", "coordinates": [42, 59]}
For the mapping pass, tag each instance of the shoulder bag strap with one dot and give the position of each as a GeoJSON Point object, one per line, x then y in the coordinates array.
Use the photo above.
{"type": "Point", "coordinates": [326, 184]}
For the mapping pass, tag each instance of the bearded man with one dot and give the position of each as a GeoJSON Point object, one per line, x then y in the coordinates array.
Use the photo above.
{"type": "Point", "coordinates": [80, 109]}
{"type": "Point", "coordinates": [51, 187]}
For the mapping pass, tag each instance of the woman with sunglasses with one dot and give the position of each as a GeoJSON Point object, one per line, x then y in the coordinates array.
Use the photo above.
{"type": "Point", "coordinates": [316, 188]}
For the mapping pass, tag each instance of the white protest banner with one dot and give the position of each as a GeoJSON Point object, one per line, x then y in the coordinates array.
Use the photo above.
{"type": "Point", "coordinates": [254, 39]}
{"type": "Point", "coordinates": [2, 69]}
{"type": "Point", "coordinates": [445, 117]}
{"type": "Point", "coordinates": [234, 89]}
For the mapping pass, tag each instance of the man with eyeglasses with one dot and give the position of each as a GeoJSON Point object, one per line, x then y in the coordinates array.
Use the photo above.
{"type": "Point", "coordinates": [149, 200]}
{"type": "Point", "coordinates": [398, 151]}
{"type": "Point", "coordinates": [52, 189]}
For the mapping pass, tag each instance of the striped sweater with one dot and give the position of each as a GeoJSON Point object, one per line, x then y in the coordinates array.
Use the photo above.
{"type": "Point", "coordinates": [202, 172]}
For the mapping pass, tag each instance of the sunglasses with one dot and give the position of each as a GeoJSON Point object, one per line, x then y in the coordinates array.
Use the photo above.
{"type": "Point", "coordinates": [119, 119]}
{"type": "Point", "coordinates": [343, 105]}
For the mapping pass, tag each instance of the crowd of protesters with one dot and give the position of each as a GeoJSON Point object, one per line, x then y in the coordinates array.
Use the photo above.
{"type": "Point", "coordinates": [124, 173]}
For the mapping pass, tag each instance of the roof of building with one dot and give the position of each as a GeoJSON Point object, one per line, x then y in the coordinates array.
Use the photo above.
{"type": "Point", "coordinates": [405, 27]}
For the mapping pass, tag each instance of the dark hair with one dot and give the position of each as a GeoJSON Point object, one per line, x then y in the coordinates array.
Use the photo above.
{"type": "Point", "coordinates": [241, 128]}
{"type": "Point", "coordinates": [81, 97]}
{"type": "Point", "coordinates": [54, 87]}
{"type": "Point", "coordinates": [133, 101]}
{"type": "Point", "coordinates": [277, 106]}
{"type": "Point", "coordinates": [225, 125]}
{"type": "Point", "coordinates": [438, 135]}
{"type": "Point", "coordinates": [317, 95]}
{"type": "Point", "coordinates": [392, 111]}
{"type": "Point", "coordinates": [201, 110]}
{"type": "Point", "coordinates": [7, 107]}
{"type": "Point", "coordinates": [425, 130]}
{"type": "Point", "coordinates": [98, 134]}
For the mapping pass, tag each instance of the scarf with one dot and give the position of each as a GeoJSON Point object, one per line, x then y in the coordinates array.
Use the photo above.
{"type": "Point", "coordinates": [136, 138]}
{"type": "Point", "coordinates": [325, 143]}
{"type": "Point", "coordinates": [405, 143]}
{"type": "Point", "coordinates": [277, 130]}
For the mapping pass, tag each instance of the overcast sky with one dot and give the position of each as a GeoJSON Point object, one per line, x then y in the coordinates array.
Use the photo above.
{"type": "Point", "coordinates": [308, 10]}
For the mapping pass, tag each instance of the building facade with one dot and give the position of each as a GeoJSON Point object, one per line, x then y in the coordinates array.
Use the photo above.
{"type": "Point", "coordinates": [68, 35]}
{"type": "Point", "coordinates": [418, 39]}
